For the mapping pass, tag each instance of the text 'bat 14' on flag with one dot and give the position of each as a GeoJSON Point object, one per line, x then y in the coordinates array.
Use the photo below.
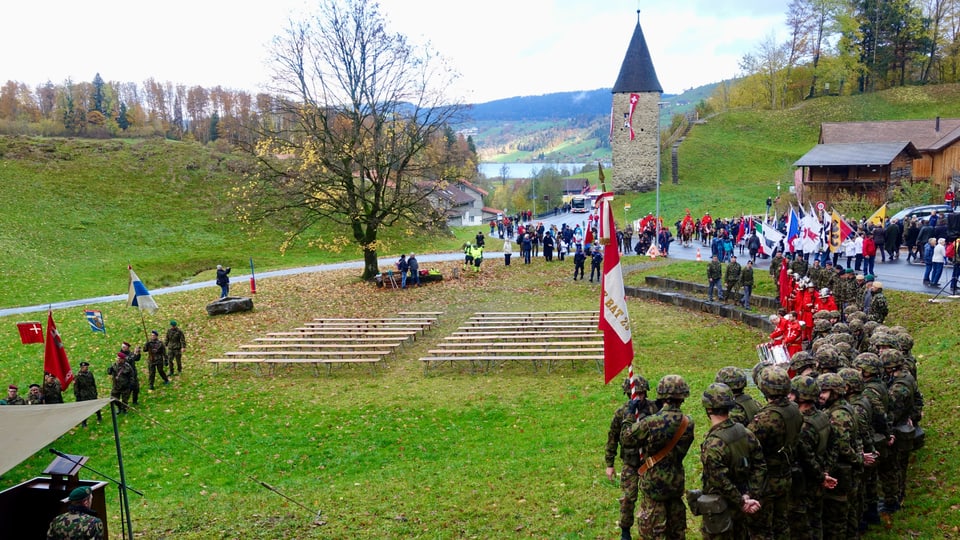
{"type": "Point", "coordinates": [139, 296]}
{"type": "Point", "coordinates": [55, 359]}
{"type": "Point", "coordinates": [30, 332]}
{"type": "Point", "coordinates": [614, 320]}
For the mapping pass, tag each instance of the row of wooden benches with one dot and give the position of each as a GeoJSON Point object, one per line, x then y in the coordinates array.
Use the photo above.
{"type": "Point", "coordinates": [332, 342]}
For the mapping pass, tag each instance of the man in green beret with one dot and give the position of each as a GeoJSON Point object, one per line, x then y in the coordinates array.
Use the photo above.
{"type": "Point", "coordinates": [79, 521]}
{"type": "Point", "coordinates": [175, 342]}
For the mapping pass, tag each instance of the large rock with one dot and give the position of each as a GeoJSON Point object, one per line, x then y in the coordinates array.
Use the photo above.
{"type": "Point", "coordinates": [230, 304]}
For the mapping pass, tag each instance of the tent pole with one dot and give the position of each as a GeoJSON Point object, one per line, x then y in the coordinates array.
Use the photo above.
{"type": "Point", "coordinates": [124, 497]}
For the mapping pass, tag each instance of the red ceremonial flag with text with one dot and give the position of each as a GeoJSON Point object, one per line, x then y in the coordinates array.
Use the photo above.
{"type": "Point", "coordinates": [30, 332]}
{"type": "Point", "coordinates": [614, 320]}
{"type": "Point", "coordinates": [55, 356]}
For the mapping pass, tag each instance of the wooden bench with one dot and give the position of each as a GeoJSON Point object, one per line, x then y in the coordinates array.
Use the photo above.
{"type": "Point", "coordinates": [551, 319]}
{"type": "Point", "coordinates": [382, 339]}
{"type": "Point", "coordinates": [521, 335]}
{"type": "Point", "coordinates": [328, 346]}
{"type": "Point", "coordinates": [515, 313]}
{"type": "Point", "coordinates": [387, 326]}
{"type": "Point", "coordinates": [457, 343]}
{"type": "Point", "coordinates": [348, 336]}
{"type": "Point", "coordinates": [398, 321]}
{"type": "Point", "coordinates": [330, 354]}
{"type": "Point", "coordinates": [490, 360]}
{"type": "Point", "coordinates": [316, 362]}
{"type": "Point", "coordinates": [526, 328]}
{"type": "Point", "coordinates": [424, 313]}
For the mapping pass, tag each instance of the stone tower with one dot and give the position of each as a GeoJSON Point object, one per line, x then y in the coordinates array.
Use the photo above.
{"type": "Point", "coordinates": [636, 110]}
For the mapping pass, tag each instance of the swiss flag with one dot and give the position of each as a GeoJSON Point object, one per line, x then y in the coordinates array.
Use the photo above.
{"type": "Point", "coordinates": [55, 356]}
{"type": "Point", "coordinates": [614, 320]}
{"type": "Point", "coordinates": [30, 332]}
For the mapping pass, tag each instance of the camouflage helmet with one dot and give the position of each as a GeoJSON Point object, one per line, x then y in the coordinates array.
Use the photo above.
{"type": "Point", "coordinates": [845, 350]}
{"type": "Point", "coordinates": [822, 314]}
{"type": "Point", "coordinates": [906, 342]}
{"type": "Point", "coordinates": [733, 377]}
{"type": "Point", "coordinates": [850, 309]}
{"type": "Point", "coordinates": [834, 314]}
{"type": "Point", "coordinates": [807, 388]}
{"type": "Point", "coordinates": [869, 364]}
{"type": "Point", "coordinates": [821, 325]}
{"type": "Point", "coordinates": [757, 368]}
{"type": "Point", "coordinates": [832, 382]}
{"type": "Point", "coordinates": [801, 360]}
{"type": "Point", "coordinates": [717, 396]}
{"type": "Point", "coordinates": [828, 359]}
{"type": "Point", "coordinates": [673, 387]}
{"type": "Point", "coordinates": [892, 359]}
{"type": "Point", "coordinates": [869, 327]}
{"type": "Point", "coordinates": [857, 316]}
{"type": "Point", "coordinates": [853, 379]}
{"type": "Point", "coordinates": [899, 329]}
{"type": "Point", "coordinates": [856, 326]}
{"type": "Point", "coordinates": [641, 384]}
{"type": "Point", "coordinates": [885, 340]}
{"type": "Point", "coordinates": [840, 328]}
{"type": "Point", "coordinates": [774, 382]}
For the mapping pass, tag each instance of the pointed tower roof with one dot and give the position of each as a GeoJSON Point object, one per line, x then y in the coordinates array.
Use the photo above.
{"type": "Point", "coordinates": [636, 72]}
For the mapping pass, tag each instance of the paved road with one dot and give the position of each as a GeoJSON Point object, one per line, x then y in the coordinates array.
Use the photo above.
{"type": "Point", "coordinates": [897, 275]}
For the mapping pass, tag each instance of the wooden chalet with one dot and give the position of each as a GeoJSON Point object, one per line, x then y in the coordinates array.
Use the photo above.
{"type": "Point", "coordinates": [870, 170]}
{"type": "Point", "coordinates": [933, 154]}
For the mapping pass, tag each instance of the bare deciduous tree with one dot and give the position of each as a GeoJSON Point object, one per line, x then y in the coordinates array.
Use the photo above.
{"type": "Point", "coordinates": [362, 140]}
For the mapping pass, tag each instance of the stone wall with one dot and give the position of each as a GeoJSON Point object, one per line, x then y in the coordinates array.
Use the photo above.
{"type": "Point", "coordinates": [635, 163]}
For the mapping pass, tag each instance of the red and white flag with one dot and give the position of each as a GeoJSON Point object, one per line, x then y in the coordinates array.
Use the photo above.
{"type": "Point", "coordinates": [30, 332]}
{"type": "Point", "coordinates": [55, 356]}
{"type": "Point", "coordinates": [614, 320]}
{"type": "Point", "coordinates": [634, 98]}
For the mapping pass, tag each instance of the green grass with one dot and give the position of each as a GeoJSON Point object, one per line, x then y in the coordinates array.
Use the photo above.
{"type": "Point", "coordinates": [75, 213]}
{"type": "Point", "coordinates": [403, 454]}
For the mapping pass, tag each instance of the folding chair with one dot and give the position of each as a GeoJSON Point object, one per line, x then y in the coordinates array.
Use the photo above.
{"type": "Point", "coordinates": [393, 281]}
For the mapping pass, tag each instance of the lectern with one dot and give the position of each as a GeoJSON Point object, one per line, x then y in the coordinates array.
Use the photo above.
{"type": "Point", "coordinates": [27, 509]}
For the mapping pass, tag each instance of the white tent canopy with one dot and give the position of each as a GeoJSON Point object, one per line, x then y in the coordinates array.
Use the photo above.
{"type": "Point", "coordinates": [28, 428]}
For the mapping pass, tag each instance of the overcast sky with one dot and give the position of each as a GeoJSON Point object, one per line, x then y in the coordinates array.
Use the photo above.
{"type": "Point", "coordinates": [501, 48]}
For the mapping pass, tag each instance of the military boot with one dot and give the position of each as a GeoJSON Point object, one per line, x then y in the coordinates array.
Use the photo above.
{"type": "Point", "coordinates": [625, 533]}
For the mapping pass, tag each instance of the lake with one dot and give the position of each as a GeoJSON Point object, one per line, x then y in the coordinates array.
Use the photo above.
{"type": "Point", "coordinates": [527, 170]}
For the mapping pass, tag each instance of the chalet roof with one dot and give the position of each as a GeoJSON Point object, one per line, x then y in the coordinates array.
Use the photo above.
{"type": "Point", "coordinates": [922, 133]}
{"type": "Point", "coordinates": [474, 187]}
{"type": "Point", "coordinates": [455, 197]}
{"type": "Point", "coordinates": [636, 72]}
{"type": "Point", "coordinates": [827, 155]}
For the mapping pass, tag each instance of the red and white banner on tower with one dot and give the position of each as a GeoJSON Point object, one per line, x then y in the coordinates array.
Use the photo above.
{"type": "Point", "coordinates": [634, 98]}
{"type": "Point", "coordinates": [614, 319]}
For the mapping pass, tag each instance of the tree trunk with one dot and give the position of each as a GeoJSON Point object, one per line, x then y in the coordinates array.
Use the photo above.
{"type": "Point", "coordinates": [371, 266]}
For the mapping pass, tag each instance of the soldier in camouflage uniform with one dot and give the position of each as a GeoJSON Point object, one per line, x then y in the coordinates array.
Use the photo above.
{"type": "Point", "coordinates": [665, 437]}
{"type": "Point", "coordinates": [816, 454]}
{"type": "Point", "coordinates": [52, 391]}
{"type": "Point", "coordinates": [133, 356]}
{"type": "Point", "coordinates": [733, 469]}
{"type": "Point", "coordinates": [85, 388]}
{"type": "Point", "coordinates": [836, 505]}
{"type": "Point", "coordinates": [777, 426]}
{"type": "Point", "coordinates": [156, 356]}
{"type": "Point", "coordinates": [745, 407]}
{"type": "Point", "coordinates": [79, 522]}
{"type": "Point", "coordinates": [175, 342]}
{"type": "Point", "coordinates": [875, 391]}
{"type": "Point", "coordinates": [774, 270]}
{"type": "Point", "coordinates": [714, 275]}
{"type": "Point", "coordinates": [799, 265]}
{"type": "Point", "coordinates": [902, 389]}
{"type": "Point", "coordinates": [629, 454]}
{"type": "Point", "coordinates": [803, 363]}
{"type": "Point", "coordinates": [732, 279]}
{"type": "Point", "coordinates": [35, 395]}
{"type": "Point", "coordinates": [863, 412]}
{"type": "Point", "coordinates": [13, 396]}
{"type": "Point", "coordinates": [878, 307]}
{"type": "Point", "coordinates": [121, 375]}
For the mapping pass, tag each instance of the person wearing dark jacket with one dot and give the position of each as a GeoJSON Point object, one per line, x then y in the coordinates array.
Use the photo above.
{"type": "Point", "coordinates": [223, 280]}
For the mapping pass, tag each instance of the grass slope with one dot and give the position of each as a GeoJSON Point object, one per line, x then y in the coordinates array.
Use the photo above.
{"type": "Point", "coordinates": [510, 453]}
{"type": "Point", "coordinates": [75, 213]}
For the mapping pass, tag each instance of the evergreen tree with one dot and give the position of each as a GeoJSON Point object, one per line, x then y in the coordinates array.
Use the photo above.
{"type": "Point", "coordinates": [97, 104]}
{"type": "Point", "coordinates": [122, 121]}
{"type": "Point", "coordinates": [213, 133]}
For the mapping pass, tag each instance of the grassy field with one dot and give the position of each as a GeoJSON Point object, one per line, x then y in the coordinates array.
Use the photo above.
{"type": "Point", "coordinates": [76, 212]}
{"type": "Point", "coordinates": [510, 453]}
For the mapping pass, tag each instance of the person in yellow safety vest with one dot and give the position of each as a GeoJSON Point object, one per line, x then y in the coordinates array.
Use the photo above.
{"type": "Point", "coordinates": [477, 253]}
{"type": "Point", "coordinates": [467, 256]}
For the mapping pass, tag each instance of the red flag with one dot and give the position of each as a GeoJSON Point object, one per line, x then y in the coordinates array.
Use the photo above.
{"type": "Point", "coordinates": [30, 332]}
{"type": "Point", "coordinates": [55, 356]}
{"type": "Point", "coordinates": [614, 319]}
{"type": "Point", "coordinates": [742, 230]}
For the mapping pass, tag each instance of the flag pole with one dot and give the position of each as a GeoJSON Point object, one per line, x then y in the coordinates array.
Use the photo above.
{"type": "Point", "coordinates": [143, 323]}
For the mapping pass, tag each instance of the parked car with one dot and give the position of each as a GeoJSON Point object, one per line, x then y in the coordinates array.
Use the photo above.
{"type": "Point", "coordinates": [922, 212]}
